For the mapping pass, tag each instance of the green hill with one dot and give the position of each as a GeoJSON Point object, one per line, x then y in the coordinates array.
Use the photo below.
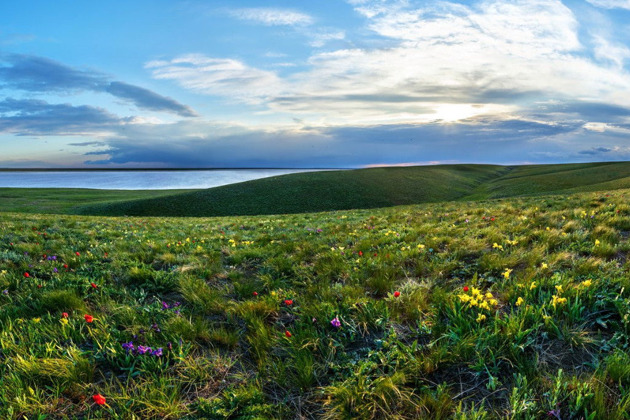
{"type": "Point", "coordinates": [372, 188]}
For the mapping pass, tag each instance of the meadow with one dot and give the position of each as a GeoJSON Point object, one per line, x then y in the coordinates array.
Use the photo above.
{"type": "Point", "coordinates": [509, 308]}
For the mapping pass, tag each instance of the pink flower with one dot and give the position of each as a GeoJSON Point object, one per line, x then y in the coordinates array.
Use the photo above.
{"type": "Point", "coordinates": [335, 322]}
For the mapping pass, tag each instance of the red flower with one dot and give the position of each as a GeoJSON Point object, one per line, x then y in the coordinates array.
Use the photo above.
{"type": "Point", "coordinates": [88, 318]}
{"type": "Point", "coordinates": [360, 253]}
{"type": "Point", "coordinates": [466, 288]}
{"type": "Point", "coordinates": [287, 334]}
{"type": "Point", "coordinates": [255, 293]}
{"type": "Point", "coordinates": [93, 285]}
{"type": "Point", "coordinates": [99, 399]}
{"type": "Point", "coordinates": [27, 275]}
{"type": "Point", "coordinates": [77, 253]}
{"type": "Point", "coordinates": [64, 314]}
{"type": "Point", "coordinates": [288, 302]}
{"type": "Point", "coordinates": [65, 266]}
{"type": "Point", "coordinates": [396, 293]}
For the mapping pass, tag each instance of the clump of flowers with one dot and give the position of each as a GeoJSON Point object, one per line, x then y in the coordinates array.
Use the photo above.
{"type": "Point", "coordinates": [557, 300]}
{"type": "Point", "coordinates": [477, 299]}
{"type": "Point", "coordinates": [140, 350]}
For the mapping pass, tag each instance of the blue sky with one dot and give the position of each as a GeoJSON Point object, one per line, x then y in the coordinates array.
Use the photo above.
{"type": "Point", "coordinates": [313, 84]}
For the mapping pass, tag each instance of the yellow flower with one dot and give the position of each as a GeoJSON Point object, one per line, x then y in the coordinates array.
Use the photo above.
{"type": "Point", "coordinates": [481, 318]}
{"type": "Point", "coordinates": [546, 318]}
{"type": "Point", "coordinates": [586, 283]}
{"type": "Point", "coordinates": [507, 273]}
{"type": "Point", "coordinates": [473, 302]}
{"type": "Point", "coordinates": [555, 300]}
{"type": "Point", "coordinates": [484, 305]}
{"type": "Point", "coordinates": [544, 266]}
{"type": "Point", "coordinates": [597, 242]}
{"type": "Point", "coordinates": [464, 298]}
{"type": "Point", "coordinates": [547, 228]}
{"type": "Point", "coordinates": [533, 285]}
{"type": "Point", "coordinates": [519, 301]}
{"type": "Point", "coordinates": [63, 321]}
{"type": "Point", "coordinates": [36, 320]}
{"type": "Point", "coordinates": [559, 288]}
{"type": "Point", "coordinates": [497, 246]}
{"type": "Point", "coordinates": [494, 302]}
{"type": "Point", "coordinates": [420, 246]}
{"type": "Point", "coordinates": [489, 295]}
{"type": "Point", "coordinates": [476, 292]}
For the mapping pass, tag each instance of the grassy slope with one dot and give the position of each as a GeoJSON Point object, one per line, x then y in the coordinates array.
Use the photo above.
{"type": "Point", "coordinates": [551, 271]}
{"type": "Point", "coordinates": [318, 191]}
{"type": "Point", "coordinates": [63, 200]}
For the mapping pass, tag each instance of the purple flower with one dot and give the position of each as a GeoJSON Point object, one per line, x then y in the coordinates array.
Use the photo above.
{"type": "Point", "coordinates": [165, 306]}
{"type": "Point", "coordinates": [335, 322]}
{"type": "Point", "coordinates": [157, 353]}
{"type": "Point", "coordinates": [128, 346]}
{"type": "Point", "coordinates": [5, 292]}
{"type": "Point", "coordinates": [169, 345]}
{"type": "Point", "coordinates": [143, 349]}
{"type": "Point", "coordinates": [156, 328]}
{"type": "Point", "coordinates": [55, 269]}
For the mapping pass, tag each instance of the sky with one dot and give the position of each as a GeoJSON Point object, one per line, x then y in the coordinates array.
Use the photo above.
{"type": "Point", "coordinates": [312, 84]}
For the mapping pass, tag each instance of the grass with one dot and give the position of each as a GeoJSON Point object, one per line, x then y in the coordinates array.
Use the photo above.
{"type": "Point", "coordinates": [508, 308]}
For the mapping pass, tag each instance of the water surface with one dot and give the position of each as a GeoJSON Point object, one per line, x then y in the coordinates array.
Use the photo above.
{"type": "Point", "coordinates": [136, 180]}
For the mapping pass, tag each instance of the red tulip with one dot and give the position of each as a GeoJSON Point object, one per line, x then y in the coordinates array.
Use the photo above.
{"type": "Point", "coordinates": [27, 275]}
{"type": "Point", "coordinates": [99, 399]}
{"type": "Point", "coordinates": [64, 314]}
{"type": "Point", "coordinates": [88, 318]}
{"type": "Point", "coordinates": [396, 293]}
{"type": "Point", "coordinates": [255, 293]}
{"type": "Point", "coordinates": [93, 285]}
{"type": "Point", "coordinates": [287, 334]}
{"type": "Point", "coordinates": [77, 253]}
{"type": "Point", "coordinates": [466, 288]}
{"type": "Point", "coordinates": [65, 266]}
{"type": "Point", "coordinates": [288, 302]}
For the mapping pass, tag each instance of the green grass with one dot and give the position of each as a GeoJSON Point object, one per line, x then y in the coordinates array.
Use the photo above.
{"type": "Point", "coordinates": [508, 308]}
{"type": "Point", "coordinates": [65, 200]}
{"type": "Point", "coordinates": [331, 190]}
{"type": "Point", "coordinates": [373, 188]}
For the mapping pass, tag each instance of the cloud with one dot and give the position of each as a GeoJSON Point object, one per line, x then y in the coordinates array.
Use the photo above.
{"type": "Point", "coordinates": [595, 151]}
{"type": "Point", "coordinates": [611, 4]}
{"type": "Point", "coordinates": [39, 74]}
{"type": "Point", "coordinates": [320, 38]}
{"type": "Point", "coordinates": [36, 117]}
{"type": "Point", "coordinates": [272, 17]}
{"type": "Point", "coordinates": [146, 99]}
{"type": "Point", "coordinates": [218, 76]}
{"type": "Point", "coordinates": [443, 62]}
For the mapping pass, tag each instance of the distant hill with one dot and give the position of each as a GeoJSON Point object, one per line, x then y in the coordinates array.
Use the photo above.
{"type": "Point", "coordinates": [371, 188]}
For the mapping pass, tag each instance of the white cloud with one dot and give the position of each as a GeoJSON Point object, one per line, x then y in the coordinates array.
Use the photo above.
{"type": "Point", "coordinates": [272, 17]}
{"type": "Point", "coordinates": [319, 39]}
{"type": "Point", "coordinates": [217, 76]}
{"type": "Point", "coordinates": [611, 4]}
{"type": "Point", "coordinates": [615, 53]}
{"type": "Point", "coordinates": [447, 62]}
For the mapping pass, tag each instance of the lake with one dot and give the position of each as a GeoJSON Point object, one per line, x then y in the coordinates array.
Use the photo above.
{"type": "Point", "coordinates": [137, 180]}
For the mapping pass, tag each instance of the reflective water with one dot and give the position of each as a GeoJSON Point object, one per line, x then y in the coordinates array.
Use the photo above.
{"type": "Point", "coordinates": [136, 180]}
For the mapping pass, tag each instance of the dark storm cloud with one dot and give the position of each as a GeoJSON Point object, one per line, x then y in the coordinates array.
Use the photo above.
{"type": "Point", "coordinates": [39, 74]}
{"type": "Point", "coordinates": [36, 117]}
{"type": "Point", "coordinates": [588, 111]}
{"type": "Point", "coordinates": [595, 151]}
{"type": "Point", "coordinates": [482, 142]}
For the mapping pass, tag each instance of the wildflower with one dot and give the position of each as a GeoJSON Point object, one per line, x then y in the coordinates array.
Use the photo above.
{"type": "Point", "coordinates": [143, 349]}
{"type": "Point", "coordinates": [519, 301]}
{"type": "Point", "coordinates": [507, 273]}
{"type": "Point", "coordinates": [481, 318]}
{"type": "Point", "coordinates": [64, 314]}
{"type": "Point", "coordinates": [466, 289]}
{"type": "Point", "coordinates": [464, 298]}
{"type": "Point", "coordinates": [99, 399]}
{"type": "Point", "coordinates": [497, 246]}
{"type": "Point", "coordinates": [586, 283]}
{"type": "Point", "coordinates": [493, 302]}
{"type": "Point", "coordinates": [36, 320]}
{"type": "Point", "coordinates": [543, 266]}
{"type": "Point", "coordinates": [65, 266]}
{"type": "Point", "coordinates": [27, 275]}
{"type": "Point", "coordinates": [94, 286]}
{"type": "Point", "coordinates": [157, 353]}
{"type": "Point", "coordinates": [396, 293]}
{"type": "Point", "coordinates": [64, 321]}
{"type": "Point", "coordinates": [597, 242]}
{"type": "Point", "coordinates": [559, 288]}
{"type": "Point", "coordinates": [288, 302]}
{"type": "Point", "coordinates": [555, 301]}
{"type": "Point", "coordinates": [484, 305]}
{"type": "Point", "coordinates": [489, 295]}
{"type": "Point", "coordinates": [533, 285]}
{"type": "Point", "coordinates": [288, 334]}
{"type": "Point", "coordinates": [88, 318]}
{"type": "Point", "coordinates": [165, 306]}
{"type": "Point", "coordinates": [128, 346]}
{"type": "Point", "coordinates": [255, 293]}
{"type": "Point", "coordinates": [335, 322]}
{"type": "Point", "coordinates": [77, 254]}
